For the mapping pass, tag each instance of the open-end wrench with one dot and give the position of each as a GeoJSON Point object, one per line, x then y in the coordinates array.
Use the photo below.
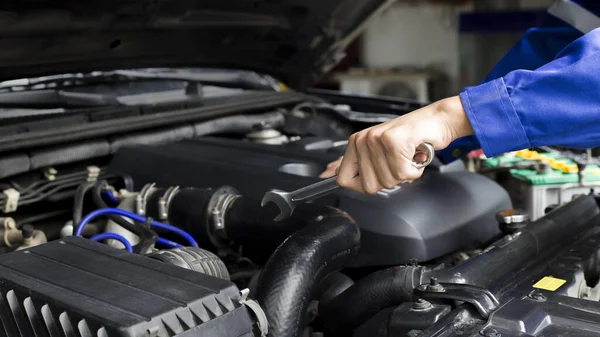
{"type": "Point", "coordinates": [287, 201]}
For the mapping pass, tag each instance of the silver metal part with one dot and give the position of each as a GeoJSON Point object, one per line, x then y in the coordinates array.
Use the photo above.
{"type": "Point", "coordinates": [218, 212]}
{"type": "Point", "coordinates": [162, 209]}
{"type": "Point", "coordinates": [261, 318]}
{"type": "Point", "coordinates": [165, 201]}
{"type": "Point", "coordinates": [268, 136]}
{"type": "Point", "coordinates": [142, 198]}
{"type": "Point", "coordinates": [287, 201]}
{"type": "Point", "coordinates": [218, 205]}
{"type": "Point", "coordinates": [168, 197]}
{"type": "Point", "coordinates": [512, 216]}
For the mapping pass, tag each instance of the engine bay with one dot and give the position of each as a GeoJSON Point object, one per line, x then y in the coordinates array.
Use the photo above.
{"type": "Point", "coordinates": [163, 234]}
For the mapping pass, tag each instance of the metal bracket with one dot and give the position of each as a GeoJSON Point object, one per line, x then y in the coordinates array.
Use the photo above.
{"type": "Point", "coordinates": [142, 198]}
{"type": "Point", "coordinates": [219, 204]}
{"type": "Point", "coordinates": [484, 301]}
{"type": "Point", "coordinates": [261, 318]}
{"type": "Point", "coordinates": [165, 201]}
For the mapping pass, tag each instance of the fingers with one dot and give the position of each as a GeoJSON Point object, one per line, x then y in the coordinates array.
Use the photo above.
{"type": "Point", "coordinates": [379, 160]}
{"type": "Point", "coordinates": [367, 172]}
{"type": "Point", "coordinates": [348, 174]}
{"type": "Point", "coordinates": [400, 153]}
{"type": "Point", "coordinates": [382, 156]}
{"type": "Point", "coordinates": [332, 168]}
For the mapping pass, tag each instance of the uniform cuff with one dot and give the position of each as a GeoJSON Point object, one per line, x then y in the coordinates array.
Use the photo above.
{"type": "Point", "coordinates": [493, 118]}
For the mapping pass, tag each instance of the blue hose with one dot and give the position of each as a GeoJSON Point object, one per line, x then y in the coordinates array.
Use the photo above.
{"type": "Point", "coordinates": [134, 217]}
{"type": "Point", "coordinates": [168, 243]}
{"type": "Point", "coordinates": [105, 236]}
{"type": "Point", "coordinates": [107, 195]}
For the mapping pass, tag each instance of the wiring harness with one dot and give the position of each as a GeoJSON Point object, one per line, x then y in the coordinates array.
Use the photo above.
{"type": "Point", "coordinates": [155, 224]}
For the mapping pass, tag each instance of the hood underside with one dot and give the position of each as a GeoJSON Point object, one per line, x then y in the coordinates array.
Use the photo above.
{"type": "Point", "coordinates": [296, 41]}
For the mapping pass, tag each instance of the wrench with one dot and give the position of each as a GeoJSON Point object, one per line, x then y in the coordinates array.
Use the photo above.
{"type": "Point", "coordinates": [287, 201]}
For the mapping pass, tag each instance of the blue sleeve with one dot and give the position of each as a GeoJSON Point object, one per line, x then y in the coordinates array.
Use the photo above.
{"type": "Point", "coordinates": [556, 104]}
{"type": "Point", "coordinates": [537, 47]}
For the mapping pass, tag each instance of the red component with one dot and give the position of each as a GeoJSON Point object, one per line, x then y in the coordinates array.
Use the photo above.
{"type": "Point", "coordinates": [475, 153]}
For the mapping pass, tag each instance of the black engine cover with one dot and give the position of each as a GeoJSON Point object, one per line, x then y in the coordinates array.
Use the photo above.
{"type": "Point", "coordinates": [442, 212]}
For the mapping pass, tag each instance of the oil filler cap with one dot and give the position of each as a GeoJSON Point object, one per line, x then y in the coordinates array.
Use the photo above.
{"type": "Point", "coordinates": [512, 220]}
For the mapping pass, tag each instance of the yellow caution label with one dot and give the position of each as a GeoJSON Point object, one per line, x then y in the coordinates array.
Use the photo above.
{"type": "Point", "coordinates": [549, 283]}
{"type": "Point", "coordinates": [282, 86]}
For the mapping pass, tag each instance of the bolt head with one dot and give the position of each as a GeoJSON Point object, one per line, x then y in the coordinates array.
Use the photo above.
{"type": "Point", "coordinates": [537, 296]}
{"type": "Point", "coordinates": [434, 285]}
{"type": "Point", "coordinates": [421, 304]}
{"type": "Point", "coordinates": [489, 332]}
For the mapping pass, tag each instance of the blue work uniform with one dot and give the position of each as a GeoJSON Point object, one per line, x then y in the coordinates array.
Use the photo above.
{"type": "Point", "coordinates": [544, 91]}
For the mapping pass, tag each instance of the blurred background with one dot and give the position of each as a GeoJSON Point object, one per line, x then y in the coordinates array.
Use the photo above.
{"type": "Point", "coordinates": [430, 49]}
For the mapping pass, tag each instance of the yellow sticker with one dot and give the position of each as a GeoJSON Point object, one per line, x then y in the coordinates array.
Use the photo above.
{"type": "Point", "coordinates": [549, 283]}
{"type": "Point", "coordinates": [282, 86]}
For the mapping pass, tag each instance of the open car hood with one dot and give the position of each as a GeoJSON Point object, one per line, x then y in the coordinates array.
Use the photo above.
{"type": "Point", "coordinates": [296, 41]}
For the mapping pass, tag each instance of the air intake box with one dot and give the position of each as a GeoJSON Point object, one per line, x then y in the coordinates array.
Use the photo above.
{"type": "Point", "coordinates": [76, 287]}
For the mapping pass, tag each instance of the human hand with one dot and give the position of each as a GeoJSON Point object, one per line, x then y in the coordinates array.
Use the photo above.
{"type": "Point", "coordinates": [380, 157]}
{"type": "Point", "coordinates": [332, 168]}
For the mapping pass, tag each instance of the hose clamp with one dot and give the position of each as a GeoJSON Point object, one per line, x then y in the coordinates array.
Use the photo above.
{"type": "Point", "coordinates": [218, 204]}
{"type": "Point", "coordinates": [165, 201]}
{"type": "Point", "coordinates": [261, 318]}
{"type": "Point", "coordinates": [218, 211]}
{"type": "Point", "coordinates": [142, 198]}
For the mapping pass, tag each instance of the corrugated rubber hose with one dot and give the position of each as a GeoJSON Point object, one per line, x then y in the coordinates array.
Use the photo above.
{"type": "Point", "coordinates": [328, 242]}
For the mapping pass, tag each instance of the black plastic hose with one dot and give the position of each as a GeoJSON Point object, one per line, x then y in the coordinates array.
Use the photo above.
{"type": "Point", "coordinates": [78, 201]}
{"type": "Point", "coordinates": [328, 242]}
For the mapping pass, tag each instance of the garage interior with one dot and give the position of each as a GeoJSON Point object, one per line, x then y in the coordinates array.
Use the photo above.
{"type": "Point", "coordinates": [298, 168]}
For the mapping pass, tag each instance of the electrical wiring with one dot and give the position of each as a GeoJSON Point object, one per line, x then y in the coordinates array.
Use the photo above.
{"type": "Point", "coordinates": [147, 236]}
{"type": "Point", "coordinates": [105, 236]}
{"type": "Point", "coordinates": [135, 217]}
{"type": "Point", "coordinates": [168, 243]}
{"type": "Point", "coordinates": [78, 200]}
{"type": "Point", "coordinates": [59, 179]}
{"type": "Point", "coordinates": [51, 188]}
{"type": "Point", "coordinates": [107, 195]}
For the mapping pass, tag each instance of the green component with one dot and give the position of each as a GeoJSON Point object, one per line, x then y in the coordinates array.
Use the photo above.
{"type": "Point", "coordinates": [507, 159]}
{"type": "Point", "coordinates": [556, 177]}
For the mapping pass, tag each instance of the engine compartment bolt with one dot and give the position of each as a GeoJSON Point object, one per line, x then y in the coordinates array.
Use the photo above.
{"type": "Point", "coordinates": [421, 304]}
{"type": "Point", "coordinates": [490, 333]}
{"type": "Point", "coordinates": [537, 296]}
{"type": "Point", "coordinates": [434, 285]}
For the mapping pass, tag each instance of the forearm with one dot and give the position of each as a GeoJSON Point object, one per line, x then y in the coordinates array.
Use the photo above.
{"type": "Point", "coordinates": [556, 104]}
{"type": "Point", "coordinates": [453, 115]}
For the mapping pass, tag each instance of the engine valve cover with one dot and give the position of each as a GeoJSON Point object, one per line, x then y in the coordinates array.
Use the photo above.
{"type": "Point", "coordinates": [444, 211]}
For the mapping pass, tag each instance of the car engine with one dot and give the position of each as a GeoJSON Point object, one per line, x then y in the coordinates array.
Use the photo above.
{"type": "Point", "coordinates": [162, 233]}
